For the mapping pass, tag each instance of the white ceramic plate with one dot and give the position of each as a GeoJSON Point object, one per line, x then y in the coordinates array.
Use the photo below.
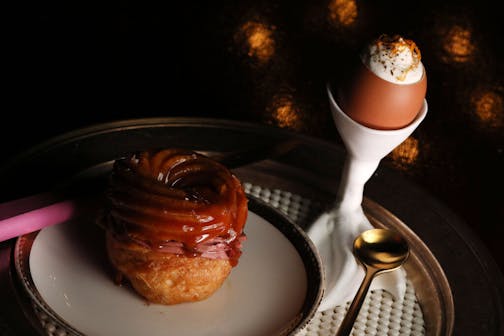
{"type": "Point", "coordinates": [274, 290]}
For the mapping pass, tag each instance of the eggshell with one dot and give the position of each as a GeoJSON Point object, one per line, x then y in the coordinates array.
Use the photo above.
{"type": "Point", "coordinates": [380, 104]}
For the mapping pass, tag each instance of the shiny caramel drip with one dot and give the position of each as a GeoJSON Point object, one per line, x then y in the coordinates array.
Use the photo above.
{"type": "Point", "coordinates": [162, 196]}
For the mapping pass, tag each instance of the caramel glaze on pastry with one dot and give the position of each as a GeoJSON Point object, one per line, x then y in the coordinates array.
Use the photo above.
{"type": "Point", "coordinates": [174, 224]}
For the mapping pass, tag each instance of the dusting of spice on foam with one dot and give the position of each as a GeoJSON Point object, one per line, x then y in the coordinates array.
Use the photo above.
{"type": "Point", "coordinates": [394, 59]}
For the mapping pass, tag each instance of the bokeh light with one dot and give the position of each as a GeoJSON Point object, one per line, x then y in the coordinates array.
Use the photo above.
{"type": "Point", "coordinates": [257, 40]}
{"type": "Point", "coordinates": [488, 106]}
{"type": "Point", "coordinates": [284, 112]}
{"type": "Point", "coordinates": [458, 45]}
{"type": "Point", "coordinates": [342, 13]}
{"type": "Point", "coordinates": [406, 154]}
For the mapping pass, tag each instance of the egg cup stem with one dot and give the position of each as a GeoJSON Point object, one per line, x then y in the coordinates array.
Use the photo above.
{"type": "Point", "coordinates": [355, 175]}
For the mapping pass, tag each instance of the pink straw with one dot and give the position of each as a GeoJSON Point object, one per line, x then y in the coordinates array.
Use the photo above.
{"type": "Point", "coordinates": [37, 219]}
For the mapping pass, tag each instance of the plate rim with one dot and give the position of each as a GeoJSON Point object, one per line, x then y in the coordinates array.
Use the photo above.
{"type": "Point", "coordinates": [303, 245]}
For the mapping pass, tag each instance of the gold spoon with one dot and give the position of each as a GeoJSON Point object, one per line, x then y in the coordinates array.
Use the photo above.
{"type": "Point", "coordinates": [379, 251]}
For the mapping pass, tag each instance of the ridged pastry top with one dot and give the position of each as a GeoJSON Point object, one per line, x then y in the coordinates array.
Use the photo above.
{"type": "Point", "coordinates": [179, 201]}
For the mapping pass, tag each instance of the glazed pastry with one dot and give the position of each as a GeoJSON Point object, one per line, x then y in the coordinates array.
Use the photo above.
{"type": "Point", "coordinates": [174, 227]}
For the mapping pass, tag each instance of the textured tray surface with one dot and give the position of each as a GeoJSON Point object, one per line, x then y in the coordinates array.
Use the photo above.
{"type": "Point", "coordinates": [380, 313]}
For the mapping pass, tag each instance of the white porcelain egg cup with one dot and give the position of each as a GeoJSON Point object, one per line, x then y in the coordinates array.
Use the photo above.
{"type": "Point", "coordinates": [335, 230]}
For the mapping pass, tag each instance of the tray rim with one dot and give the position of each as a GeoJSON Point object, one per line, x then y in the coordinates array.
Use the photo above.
{"type": "Point", "coordinates": [490, 273]}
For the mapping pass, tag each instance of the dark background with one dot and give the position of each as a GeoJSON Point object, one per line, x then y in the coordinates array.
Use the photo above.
{"type": "Point", "coordinates": [74, 64]}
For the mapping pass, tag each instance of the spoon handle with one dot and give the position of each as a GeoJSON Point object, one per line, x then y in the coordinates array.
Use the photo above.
{"type": "Point", "coordinates": [353, 311]}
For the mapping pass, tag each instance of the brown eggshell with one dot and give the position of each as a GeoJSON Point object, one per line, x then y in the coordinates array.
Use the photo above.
{"type": "Point", "coordinates": [379, 104]}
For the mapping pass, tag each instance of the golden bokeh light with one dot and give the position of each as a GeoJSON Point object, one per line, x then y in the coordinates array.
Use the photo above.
{"type": "Point", "coordinates": [458, 45]}
{"type": "Point", "coordinates": [405, 155]}
{"type": "Point", "coordinates": [342, 13]}
{"type": "Point", "coordinates": [488, 106]}
{"type": "Point", "coordinates": [257, 39]}
{"type": "Point", "coordinates": [284, 112]}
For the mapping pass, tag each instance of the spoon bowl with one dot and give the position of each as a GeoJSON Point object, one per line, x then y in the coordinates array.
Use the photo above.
{"type": "Point", "coordinates": [379, 250]}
